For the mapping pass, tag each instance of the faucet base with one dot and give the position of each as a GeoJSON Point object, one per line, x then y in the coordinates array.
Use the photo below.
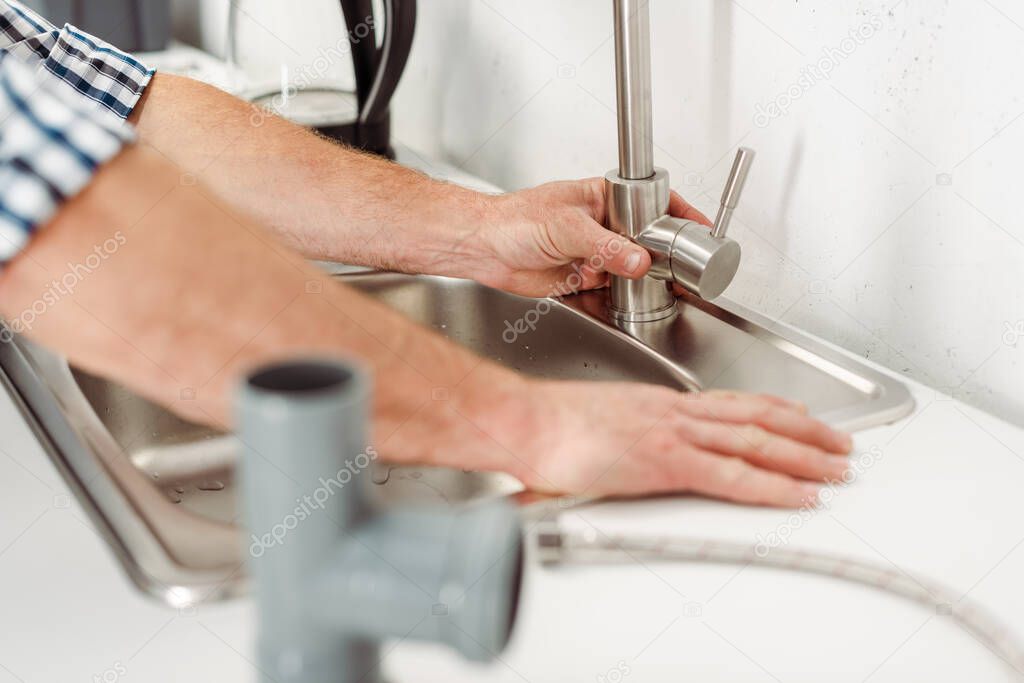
{"type": "Point", "coordinates": [621, 316]}
{"type": "Point", "coordinates": [632, 206]}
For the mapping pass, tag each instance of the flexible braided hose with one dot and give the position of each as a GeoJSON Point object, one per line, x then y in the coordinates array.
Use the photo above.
{"type": "Point", "coordinates": [557, 546]}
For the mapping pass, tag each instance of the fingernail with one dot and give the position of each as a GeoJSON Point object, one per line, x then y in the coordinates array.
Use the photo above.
{"type": "Point", "coordinates": [838, 467]}
{"type": "Point", "coordinates": [633, 262]}
{"type": "Point", "coordinates": [845, 441]}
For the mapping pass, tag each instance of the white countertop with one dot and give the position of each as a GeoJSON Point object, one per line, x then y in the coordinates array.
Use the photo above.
{"type": "Point", "coordinates": [942, 499]}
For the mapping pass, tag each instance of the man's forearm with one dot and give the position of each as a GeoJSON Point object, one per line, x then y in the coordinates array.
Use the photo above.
{"type": "Point", "coordinates": [323, 200]}
{"type": "Point", "coordinates": [330, 202]}
{"type": "Point", "coordinates": [189, 296]}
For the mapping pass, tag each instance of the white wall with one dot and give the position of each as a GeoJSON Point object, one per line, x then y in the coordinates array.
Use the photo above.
{"type": "Point", "coordinates": [882, 213]}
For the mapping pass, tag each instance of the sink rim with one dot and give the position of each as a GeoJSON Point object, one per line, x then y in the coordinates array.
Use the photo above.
{"type": "Point", "coordinates": [888, 397]}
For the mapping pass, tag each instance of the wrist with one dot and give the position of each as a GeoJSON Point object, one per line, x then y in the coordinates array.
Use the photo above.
{"type": "Point", "coordinates": [445, 227]}
{"type": "Point", "coordinates": [500, 404]}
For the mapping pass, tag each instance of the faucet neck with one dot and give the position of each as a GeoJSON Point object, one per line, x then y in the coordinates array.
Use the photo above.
{"type": "Point", "coordinates": [633, 88]}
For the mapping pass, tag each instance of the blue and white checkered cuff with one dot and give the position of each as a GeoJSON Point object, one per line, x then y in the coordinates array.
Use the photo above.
{"type": "Point", "coordinates": [110, 80]}
{"type": "Point", "coordinates": [51, 144]}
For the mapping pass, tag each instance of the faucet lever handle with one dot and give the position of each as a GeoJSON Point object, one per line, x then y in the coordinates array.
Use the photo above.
{"type": "Point", "coordinates": [733, 190]}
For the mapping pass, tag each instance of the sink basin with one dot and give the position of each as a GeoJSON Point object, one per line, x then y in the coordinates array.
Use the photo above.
{"type": "Point", "coordinates": [163, 492]}
{"type": "Point", "coordinates": [193, 465]}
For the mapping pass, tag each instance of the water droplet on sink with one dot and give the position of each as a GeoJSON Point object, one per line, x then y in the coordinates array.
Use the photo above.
{"type": "Point", "coordinates": [173, 496]}
{"type": "Point", "coordinates": [380, 475]}
{"type": "Point", "coordinates": [178, 489]}
{"type": "Point", "coordinates": [211, 486]}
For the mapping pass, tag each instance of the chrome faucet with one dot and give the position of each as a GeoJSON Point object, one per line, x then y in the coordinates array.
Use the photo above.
{"type": "Point", "coordinates": [702, 260]}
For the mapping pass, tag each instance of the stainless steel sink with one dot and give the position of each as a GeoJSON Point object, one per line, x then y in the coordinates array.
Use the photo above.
{"type": "Point", "coordinates": [162, 490]}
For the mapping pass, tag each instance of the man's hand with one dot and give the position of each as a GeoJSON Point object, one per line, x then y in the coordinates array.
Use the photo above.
{"type": "Point", "coordinates": [551, 239]}
{"type": "Point", "coordinates": [599, 439]}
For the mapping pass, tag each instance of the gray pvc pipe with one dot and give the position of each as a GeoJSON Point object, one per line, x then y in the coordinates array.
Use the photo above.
{"type": "Point", "coordinates": [333, 574]}
{"type": "Point", "coordinates": [298, 422]}
{"type": "Point", "coordinates": [429, 574]}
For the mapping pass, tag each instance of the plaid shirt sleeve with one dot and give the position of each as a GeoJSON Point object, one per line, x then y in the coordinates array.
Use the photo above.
{"type": "Point", "coordinates": [63, 100]}
{"type": "Point", "coordinates": [104, 76]}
